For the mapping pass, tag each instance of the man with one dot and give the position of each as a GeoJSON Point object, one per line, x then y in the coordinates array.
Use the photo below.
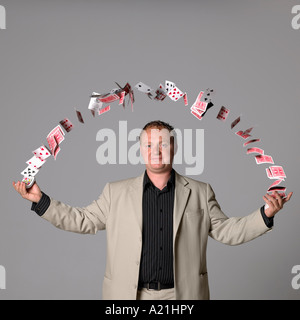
{"type": "Point", "coordinates": [157, 224]}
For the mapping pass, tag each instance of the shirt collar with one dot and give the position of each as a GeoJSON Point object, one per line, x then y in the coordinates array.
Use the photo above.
{"type": "Point", "coordinates": [148, 182]}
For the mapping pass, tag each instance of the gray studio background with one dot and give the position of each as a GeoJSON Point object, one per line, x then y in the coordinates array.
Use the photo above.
{"type": "Point", "coordinates": [54, 54]}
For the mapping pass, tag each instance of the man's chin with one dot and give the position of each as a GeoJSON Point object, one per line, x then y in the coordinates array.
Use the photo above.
{"type": "Point", "coordinates": [159, 167]}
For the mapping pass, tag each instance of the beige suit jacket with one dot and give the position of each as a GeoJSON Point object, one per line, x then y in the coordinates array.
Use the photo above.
{"type": "Point", "coordinates": [197, 215]}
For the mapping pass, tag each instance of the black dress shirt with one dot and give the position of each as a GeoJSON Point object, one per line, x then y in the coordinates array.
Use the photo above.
{"type": "Point", "coordinates": [157, 246]}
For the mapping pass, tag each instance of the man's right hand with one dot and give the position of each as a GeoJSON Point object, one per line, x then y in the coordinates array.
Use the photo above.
{"type": "Point", "coordinates": [32, 194]}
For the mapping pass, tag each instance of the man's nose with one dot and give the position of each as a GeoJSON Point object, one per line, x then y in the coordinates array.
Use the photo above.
{"type": "Point", "coordinates": [156, 149]}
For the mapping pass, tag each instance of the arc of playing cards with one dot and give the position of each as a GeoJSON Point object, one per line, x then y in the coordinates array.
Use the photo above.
{"type": "Point", "coordinates": [273, 172]}
{"type": "Point", "coordinates": [100, 104]}
{"type": "Point", "coordinates": [56, 135]}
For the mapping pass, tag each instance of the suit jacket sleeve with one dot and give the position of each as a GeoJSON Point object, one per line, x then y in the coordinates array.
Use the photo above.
{"type": "Point", "coordinates": [234, 230]}
{"type": "Point", "coordinates": [89, 219]}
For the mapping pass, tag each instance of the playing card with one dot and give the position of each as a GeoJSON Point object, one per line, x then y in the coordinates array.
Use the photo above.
{"type": "Point", "coordinates": [277, 188]}
{"type": "Point", "coordinates": [143, 87]}
{"type": "Point", "coordinates": [276, 183]}
{"type": "Point", "coordinates": [196, 113]}
{"type": "Point", "coordinates": [54, 146]}
{"type": "Point", "coordinates": [116, 90]}
{"type": "Point", "coordinates": [56, 151]}
{"type": "Point", "coordinates": [250, 141]}
{"type": "Point", "coordinates": [160, 93]}
{"type": "Point", "coordinates": [280, 190]}
{"type": "Point", "coordinates": [263, 159]}
{"type": "Point", "coordinates": [101, 111]}
{"type": "Point", "coordinates": [30, 172]}
{"type": "Point", "coordinates": [199, 107]}
{"type": "Point", "coordinates": [235, 122]}
{"type": "Point", "coordinates": [243, 135]}
{"type": "Point", "coordinates": [175, 94]}
{"type": "Point", "coordinates": [29, 181]}
{"type": "Point", "coordinates": [248, 130]}
{"type": "Point", "coordinates": [208, 95]}
{"type": "Point", "coordinates": [277, 172]}
{"type": "Point", "coordinates": [255, 150]}
{"type": "Point", "coordinates": [128, 90]}
{"type": "Point", "coordinates": [223, 114]}
{"type": "Point", "coordinates": [79, 116]}
{"type": "Point", "coordinates": [35, 162]}
{"type": "Point", "coordinates": [131, 95]}
{"type": "Point", "coordinates": [122, 97]}
{"type": "Point", "coordinates": [109, 97]}
{"type": "Point", "coordinates": [58, 133]}
{"type": "Point", "coordinates": [169, 85]}
{"type": "Point", "coordinates": [198, 104]}
{"type": "Point", "coordinates": [66, 124]}
{"type": "Point", "coordinates": [42, 153]}
{"type": "Point", "coordinates": [95, 104]}
{"type": "Point", "coordinates": [269, 173]}
{"type": "Point", "coordinates": [185, 99]}
{"type": "Point", "coordinates": [209, 105]}
{"type": "Point", "coordinates": [54, 138]}
{"type": "Point", "coordinates": [52, 143]}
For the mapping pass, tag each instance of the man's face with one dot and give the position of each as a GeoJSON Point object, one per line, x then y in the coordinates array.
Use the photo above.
{"type": "Point", "coordinates": [157, 149]}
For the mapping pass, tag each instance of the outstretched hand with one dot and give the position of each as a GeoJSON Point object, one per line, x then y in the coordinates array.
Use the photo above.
{"type": "Point", "coordinates": [32, 194]}
{"type": "Point", "coordinates": [275, 203]}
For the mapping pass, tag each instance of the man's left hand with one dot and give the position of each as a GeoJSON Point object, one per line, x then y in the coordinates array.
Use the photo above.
{"type": "Point", "coordinates": [275, 203]}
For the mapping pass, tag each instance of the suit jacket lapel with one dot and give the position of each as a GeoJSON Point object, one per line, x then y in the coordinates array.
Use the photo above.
{"type": "Point", "coordinates": [136, 199]}
{"type": "Point", "coordinates": [181, 197]}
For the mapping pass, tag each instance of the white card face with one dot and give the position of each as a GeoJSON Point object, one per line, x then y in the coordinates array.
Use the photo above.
{"type": "Point", "coordinates": [169, 85]}
{"type": "Point", "coordinates": [35, 162]}
{"type": "Point", "coordinates": [160, 93]}
{"type": "Point", "coordinates": [30, 172]}
{"type": "Point", "coordinates": [95, 103]}
{"type": "Point", "coordinates": [42, 153]}
{"type": "Point", "coordinates": [175, 94]}
{"type": "Point", "coordinates": [143, 87]}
